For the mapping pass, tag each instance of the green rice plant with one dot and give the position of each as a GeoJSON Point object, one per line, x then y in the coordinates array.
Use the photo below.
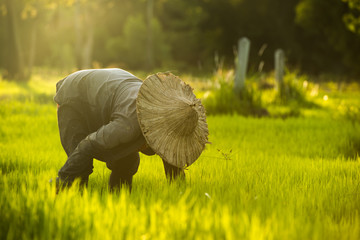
{"type": "Point", "coordinates": [224, 100]}
{"type": "Point", "coordinates": [350, 112]}
{"type": "Point", "coordinates": [292, 91]}
{"type": "Point", "coordinates": [290, 99]}
{"type": "Point", "coordinates": [261, 178]}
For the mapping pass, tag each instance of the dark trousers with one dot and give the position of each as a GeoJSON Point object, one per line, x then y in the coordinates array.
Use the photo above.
{"type": "Point", "coordinates": [73, 128]}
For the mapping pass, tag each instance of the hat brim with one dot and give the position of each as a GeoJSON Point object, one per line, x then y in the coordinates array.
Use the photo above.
{"type": "Point", "coordinates": [172, 119]}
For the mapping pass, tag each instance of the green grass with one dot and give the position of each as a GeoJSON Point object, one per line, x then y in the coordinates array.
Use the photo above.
{"type": "Point", "coordinates": [261, 178]}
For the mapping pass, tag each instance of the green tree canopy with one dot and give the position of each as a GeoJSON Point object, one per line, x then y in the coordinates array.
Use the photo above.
{"type": "Point", "coordinates": [317, 35]}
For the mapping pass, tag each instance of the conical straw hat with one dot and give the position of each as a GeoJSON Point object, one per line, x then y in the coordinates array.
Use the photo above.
{"type": "Point", "coordinates": [172, 119]}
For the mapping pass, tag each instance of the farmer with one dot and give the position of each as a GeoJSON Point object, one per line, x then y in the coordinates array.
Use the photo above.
{"type": "Point", "coordinates": [111, 115]}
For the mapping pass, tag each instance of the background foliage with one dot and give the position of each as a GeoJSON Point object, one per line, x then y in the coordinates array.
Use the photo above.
{"type": "Point", "coordinates": [318, 36]}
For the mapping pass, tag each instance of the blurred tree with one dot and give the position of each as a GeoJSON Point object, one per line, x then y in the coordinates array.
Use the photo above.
{"type": "Point", "coordinates": [14, 64]}
{"type": "Point", "coordinates": [328, 45]}
{"type": "Point", "coordinates": [352, 17]}
{"type": "Point", "coordinates": [264, 22]}
{"type": "Point", "coordinates": [150, 34]}
{"type": "Point", "coordinates": [21, 19]}
{"type": "Point", "coordinates": [132, 36]}
{"type": "Point", "coordinates": [131, 47]}
{"type": "Point", "coordinates": [85, 14]}
{"type": "Point", "coordinates": [84, 31]}
{"type": "Point", "coordinates": [109, 26]}
{"type": "Point", "coordinates": [178, 34]}
{"type": "Point", "coordinates": [180, 21]}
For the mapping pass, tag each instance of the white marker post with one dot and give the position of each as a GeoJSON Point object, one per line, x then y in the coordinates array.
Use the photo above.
{"type": "Point", "coordinates": [241, 68]}
{"type": "Point", "coordinates": [279, 68]}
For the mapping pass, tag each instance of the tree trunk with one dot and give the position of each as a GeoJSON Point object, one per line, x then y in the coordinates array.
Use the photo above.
{"type": "Point", "coordinates": [32, 52]}
{"type": "Point", "coordinates": [15, 62]}
{"type": "Point", "coordinates": [88, 40]}
{"type": "Point", "coordinates": [84, 36]}
{"type": "Point", "coordinates": [150, 44]}
{"type": "Point", "coordinates": [78, 34]}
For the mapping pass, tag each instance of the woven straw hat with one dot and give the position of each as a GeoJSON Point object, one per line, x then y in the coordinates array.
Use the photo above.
{"type": "Point", "coordinates": [172, 119]}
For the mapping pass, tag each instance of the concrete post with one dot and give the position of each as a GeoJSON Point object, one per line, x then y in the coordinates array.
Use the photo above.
{"type": "Point", "coordinates": [279, 68]}
{"type": "Point", "coordinates": [241, 67]}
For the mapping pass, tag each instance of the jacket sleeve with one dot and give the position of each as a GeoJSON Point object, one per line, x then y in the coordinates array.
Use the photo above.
{"type": "Point", "coordinates": [113, 140]}
{"type": "Point", "coordinates": [109, 143]}
{"type": "Point", "coordinates": [116, 132]}
{"type": "Point", "coordinates": [122, 130]}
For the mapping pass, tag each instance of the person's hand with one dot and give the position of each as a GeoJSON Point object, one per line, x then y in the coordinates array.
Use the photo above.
{"type": "Point", "coordinates": [146, 149]}
{"type": "Point", "coordinates": [173, 172]}
{"type": "Point", "coordinates": [59, 185]}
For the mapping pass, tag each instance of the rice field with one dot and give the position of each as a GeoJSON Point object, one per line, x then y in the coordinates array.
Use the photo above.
{"type": "Point", "coordinates": [261, 178]}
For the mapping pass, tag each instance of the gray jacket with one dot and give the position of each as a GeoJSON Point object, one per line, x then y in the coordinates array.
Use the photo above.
{"type": "Point", "coordinates": [107, 97]}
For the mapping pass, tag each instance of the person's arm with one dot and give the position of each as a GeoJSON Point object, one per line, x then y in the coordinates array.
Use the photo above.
{"type": "Point", "coordinates": [112, 141]}
{"type": "Point", "coordinates": [118, 131]}
{"type": "Point", "coordinates": [173, 172]}
{"type": "Point", "coordinates": [147, 150]}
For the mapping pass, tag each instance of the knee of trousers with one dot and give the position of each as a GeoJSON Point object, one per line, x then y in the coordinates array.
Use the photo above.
{"type": "Point", "coordinates": [126, 166]}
